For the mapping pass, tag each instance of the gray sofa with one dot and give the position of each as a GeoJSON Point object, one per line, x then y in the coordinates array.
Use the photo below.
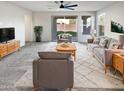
{"type": "Point", "coordinates": [53, 71]}
{"type": "Point", "coordinates": [104, 53]}
{"type": "Point", "coordinates": [64, 38]}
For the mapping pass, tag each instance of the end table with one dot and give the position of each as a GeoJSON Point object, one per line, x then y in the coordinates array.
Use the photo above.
{"type": "Point", "coordinates": [118, 63]}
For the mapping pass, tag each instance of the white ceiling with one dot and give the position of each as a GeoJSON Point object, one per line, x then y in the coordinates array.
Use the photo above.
{"type": "Point", "coordinates": [52, 6]}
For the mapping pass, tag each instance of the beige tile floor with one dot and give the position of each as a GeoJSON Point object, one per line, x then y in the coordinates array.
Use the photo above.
{"type": "Point", "coordinates": [88, 72]}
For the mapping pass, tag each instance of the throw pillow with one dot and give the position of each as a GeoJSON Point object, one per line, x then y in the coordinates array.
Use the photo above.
{"type": "Point", "coordinates": [103, 42]}
{"type": "Point", "coordinates": [108, 42]}
{"type": "Point", "coordinates": [114, 44]}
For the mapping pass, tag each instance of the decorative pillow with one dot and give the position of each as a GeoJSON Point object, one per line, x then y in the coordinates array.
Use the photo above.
{"type": "Point", "coordinates": [108, 42]}
{"type": "Point", "coordinates": [103, 42]}
{"type": "Point", "coordinates": [114, 44]}
{"type": "Point", "coordinates": [53, 55]}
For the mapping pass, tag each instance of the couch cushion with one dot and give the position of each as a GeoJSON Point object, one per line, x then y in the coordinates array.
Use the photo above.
{"type": "Point", "coordinates": [103, 42]}
{"type": "Point", "coordinates": [91, 46]}
{"type": "Point", "coordinates": [53, 55]}
{"type": "Point", "coordinates": [99, 52]}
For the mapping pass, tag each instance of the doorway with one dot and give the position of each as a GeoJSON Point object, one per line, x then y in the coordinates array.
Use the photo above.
{"type": "Point", "coordinates": [87, 26]}
{"type": "Point", "coordinates": [64, 24]}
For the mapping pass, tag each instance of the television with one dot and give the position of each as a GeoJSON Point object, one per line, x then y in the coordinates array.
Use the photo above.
{"type": "Point", "coordinates": [7, 34]}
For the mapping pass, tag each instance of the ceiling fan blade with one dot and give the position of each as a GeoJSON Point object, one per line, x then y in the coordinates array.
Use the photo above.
{"type": "Point", "coordinates": [68, 8]}
{"type": "Point", "coordinates": [67, 3]}
{"type": "Point", "coordinates": [71, 5]}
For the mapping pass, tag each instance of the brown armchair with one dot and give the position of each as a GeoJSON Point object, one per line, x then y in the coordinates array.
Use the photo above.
{"type": "Point", "coordinates": [53, 71]}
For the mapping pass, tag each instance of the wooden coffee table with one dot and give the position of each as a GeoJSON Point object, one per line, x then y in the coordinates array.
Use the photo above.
{"type": "Point", "coordinates": [69, 48]}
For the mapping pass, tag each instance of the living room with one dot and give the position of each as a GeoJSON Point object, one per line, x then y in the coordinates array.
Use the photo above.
{"type": "Point", "coordinates": [81, 51]}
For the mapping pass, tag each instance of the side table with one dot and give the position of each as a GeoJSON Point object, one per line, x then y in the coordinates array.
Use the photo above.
{"type": "Point", "coordinates": [118, 63]}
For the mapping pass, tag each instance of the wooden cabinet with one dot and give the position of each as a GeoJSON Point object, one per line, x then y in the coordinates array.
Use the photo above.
{"type": "Point", "coordinates": [3, 50]}
{"type": "Point", "coordinates": [118, 63]}
{"type": "Point", "coordinates": [17, 45]}
{"type": "Point", "coordinates": [9, 47]}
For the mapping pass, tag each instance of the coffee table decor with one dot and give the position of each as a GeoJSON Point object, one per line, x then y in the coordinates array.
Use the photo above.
{"type": "Point", "coordinates": [67, 48]}
{"type": "Point", "coordinates": [65, 45]}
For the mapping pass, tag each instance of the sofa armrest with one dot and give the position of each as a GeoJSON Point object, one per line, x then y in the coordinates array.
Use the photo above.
{"type": "Point", "coordinates": [35, 72]}
{"type": "Point", "coordinates": [108, 55]}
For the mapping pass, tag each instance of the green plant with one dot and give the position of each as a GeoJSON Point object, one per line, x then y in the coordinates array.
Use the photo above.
{"type": "Point", "coordinates": [74, 34]}
{"type": "Point", "coordinates": [38, 31]}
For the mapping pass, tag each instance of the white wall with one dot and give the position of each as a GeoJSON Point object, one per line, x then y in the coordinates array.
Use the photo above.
{"type": "Point", "coordinates": [21, 19]}
{"type": "Point", "coordinates": [114, 12]}
{"type": "Point", "coordinates": [13, 16]}
{"type": "Point", "coordinates": [45, 19]}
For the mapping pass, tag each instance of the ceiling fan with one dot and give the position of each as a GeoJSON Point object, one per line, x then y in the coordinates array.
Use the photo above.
{"type": "Point", "coordinates": [66, 5]}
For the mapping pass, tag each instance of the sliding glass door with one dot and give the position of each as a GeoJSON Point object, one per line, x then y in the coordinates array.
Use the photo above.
{"type": "Point", "coordinates": [64, 24]}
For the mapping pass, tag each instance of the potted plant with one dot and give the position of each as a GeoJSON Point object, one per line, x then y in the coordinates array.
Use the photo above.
{"type": "Point", "coordinates": [38, 31]}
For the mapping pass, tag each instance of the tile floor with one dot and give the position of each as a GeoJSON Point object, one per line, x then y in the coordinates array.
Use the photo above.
{"type": "Point", "coordinates": [16, 69]}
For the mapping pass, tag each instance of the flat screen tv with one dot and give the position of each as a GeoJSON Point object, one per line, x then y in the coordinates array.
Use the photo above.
{"type": "Point", "coordinates": [7, 34]}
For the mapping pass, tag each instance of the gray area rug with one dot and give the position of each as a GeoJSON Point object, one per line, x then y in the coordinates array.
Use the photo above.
{"type": "Point", "coordinates": [16, 70]}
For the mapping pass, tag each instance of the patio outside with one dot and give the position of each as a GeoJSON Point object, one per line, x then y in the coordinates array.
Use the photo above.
{"type": "Point", "coordinates": [67, 26]}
